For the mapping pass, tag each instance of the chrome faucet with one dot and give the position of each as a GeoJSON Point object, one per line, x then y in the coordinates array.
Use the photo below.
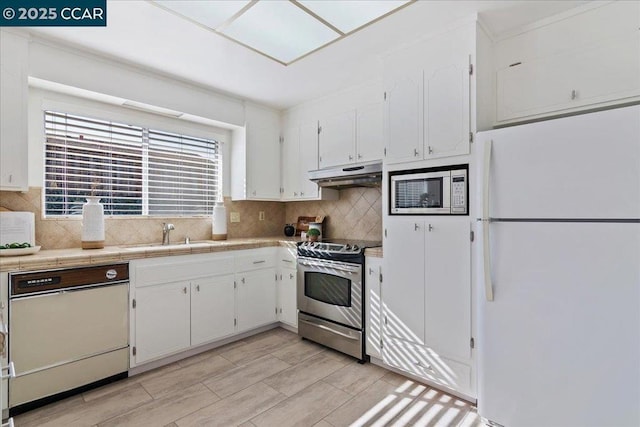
{"type": "Point", "coordinates": [166, 228]}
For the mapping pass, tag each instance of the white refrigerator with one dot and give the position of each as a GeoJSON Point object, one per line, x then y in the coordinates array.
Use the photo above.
{"type": "Point", "coordinates": [559, 271]}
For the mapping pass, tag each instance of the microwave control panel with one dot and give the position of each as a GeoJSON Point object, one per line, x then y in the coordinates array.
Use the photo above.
{"type": "Point", "coordinates": [459, 191]}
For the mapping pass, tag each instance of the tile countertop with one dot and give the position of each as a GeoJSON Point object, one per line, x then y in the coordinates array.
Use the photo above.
{"type": "Point", "coordinates": [374, 252]}
{"type": "Point", "coordinates": [57, 258]}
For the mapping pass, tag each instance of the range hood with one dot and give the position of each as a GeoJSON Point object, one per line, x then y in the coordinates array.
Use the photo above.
{"type": "Point", "coordinates": [365, 175]}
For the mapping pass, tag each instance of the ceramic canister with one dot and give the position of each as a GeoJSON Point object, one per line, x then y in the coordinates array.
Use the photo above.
{"type": "Point", "coordinates": [92, 224]}
{"type": "Point", "coordinates": [219, 225]}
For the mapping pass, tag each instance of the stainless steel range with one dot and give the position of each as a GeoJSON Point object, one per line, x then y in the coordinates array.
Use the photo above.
{"type": "Point", "coordinates": [331, 294]}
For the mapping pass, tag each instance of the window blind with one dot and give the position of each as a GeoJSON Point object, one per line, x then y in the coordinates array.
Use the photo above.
{"type": "Point", "coordinates": [134, 171]}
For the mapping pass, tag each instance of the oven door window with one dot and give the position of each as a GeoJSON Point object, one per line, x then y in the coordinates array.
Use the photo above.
{"type": "Point", "coordinates": [418, 193]}
{"type": "Point", "coordinates": [327, 288]}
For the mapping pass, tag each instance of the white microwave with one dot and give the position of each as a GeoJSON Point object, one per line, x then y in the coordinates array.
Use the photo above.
{"type": "Point", "coordinates": [435, 191]}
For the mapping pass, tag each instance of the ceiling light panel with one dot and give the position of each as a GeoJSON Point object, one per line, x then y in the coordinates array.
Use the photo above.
{"type": "Point", "coordinates": [211, 14]}
{"type": "Point", "coordinates": [279, 29]}
{"type": "Point", "coordinates": [349, 15]}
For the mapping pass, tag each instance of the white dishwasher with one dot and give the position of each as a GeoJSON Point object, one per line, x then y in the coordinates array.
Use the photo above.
{"type": "Point", "coordinates": [68, 328]}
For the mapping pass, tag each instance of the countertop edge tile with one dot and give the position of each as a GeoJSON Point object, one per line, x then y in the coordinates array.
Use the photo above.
{"type": "Point", "coordinates": [55, 258]}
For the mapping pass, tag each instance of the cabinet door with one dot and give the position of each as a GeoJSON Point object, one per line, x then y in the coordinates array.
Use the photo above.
{"type": "Point", "coordinates": [291, 162]}
{"type": "Point", "coordinates": [256, 298]}
{"type": "Point", "coordinates": [448, 286]}
{"type": "Point", "coordinates": [403, 298]}
{"type": "Point", "coordinates": [263, 153]}
{"type": "Point", "coordinates": [13, 113]}
{"type": "Point", "coordinates": [287, 302]}
{"type": "Point", "coordinates": [403, 133]}
{"type": "Point", "coordinates": [337, 139]}
{"type": "Point", "coordinates": [369, 133]}
{"type": "Point", "coordinates": [212, 308]}
{"type": "Point", "coordinates": [446, 109]}
{"type": "Point", "coordinates": [373, 307]}
{"type": "Point", "coordinates": [162, 320]}
{"type": "Point", "coordinates": [603, 73]}
{"type": "Point", "coordinates": [308, 160]}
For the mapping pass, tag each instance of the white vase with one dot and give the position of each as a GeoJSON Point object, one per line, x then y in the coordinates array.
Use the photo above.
{"type": "Point", "coordinates": [219, 225]}
{"type": "Point", "coordinates": [92, 224]}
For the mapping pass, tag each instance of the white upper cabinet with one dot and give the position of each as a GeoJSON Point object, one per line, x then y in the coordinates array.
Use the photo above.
{"type": "Point", "coordinates": [337, 139]}
{"type": "Point", "coordinates": [255, 156]}
{"type": "Point", "coordinates": [13, 112]}
{"type": "Point", "coordinates": [299, 156]}
{"type": "Point", "coordinates": [428, 112]}
{"type": "Point", "coordinates": [369, 133]}
{"type": "Point", "coordinates": [354, 136]}
{"type": "Point", "coordinates": [581, 62]}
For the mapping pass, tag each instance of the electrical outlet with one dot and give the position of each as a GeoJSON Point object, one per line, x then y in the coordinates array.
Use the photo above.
{"type": "Point", "coordinates": [261, 216]}
{"type": "Point", "coordinates": [234, 217]}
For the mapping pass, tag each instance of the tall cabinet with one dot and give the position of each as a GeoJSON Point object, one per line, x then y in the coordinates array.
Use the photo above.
{"type": "Point", "coordinates": [433, 93]}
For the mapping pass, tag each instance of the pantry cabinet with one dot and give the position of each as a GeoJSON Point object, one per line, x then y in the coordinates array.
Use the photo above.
{"type": "Point", "coordinates": [255, 156]}
{"type": "Point", "coordinates": [13, 112]}
{"type": "Point", "coordinates": [426, 299]}
{"type": "Point", "coordinates": [580, 62]}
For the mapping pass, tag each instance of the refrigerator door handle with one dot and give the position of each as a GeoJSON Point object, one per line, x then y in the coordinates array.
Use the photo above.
{"type": "Point", "coordinates": [486, 221]}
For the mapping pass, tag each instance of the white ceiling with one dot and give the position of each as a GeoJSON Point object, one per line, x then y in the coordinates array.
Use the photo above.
{"type": "Point", "coordinates": [143, 34]}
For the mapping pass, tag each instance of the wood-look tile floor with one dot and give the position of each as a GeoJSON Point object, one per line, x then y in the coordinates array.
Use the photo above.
{"type": "Point", "coordinates": [271, 379]}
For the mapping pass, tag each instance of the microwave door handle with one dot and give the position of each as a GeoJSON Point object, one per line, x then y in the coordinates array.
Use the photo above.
{"type": "Point", "coordinates": [486, 222]}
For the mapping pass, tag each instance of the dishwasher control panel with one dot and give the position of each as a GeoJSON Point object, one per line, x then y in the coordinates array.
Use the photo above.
{"type": "Point", "coordinates": [28, 283]}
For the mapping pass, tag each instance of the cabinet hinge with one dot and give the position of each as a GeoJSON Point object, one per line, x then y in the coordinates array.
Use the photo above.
{"type": "Point", "coordinates": [276, 277]}
{"type": "Point", "coordinates": [472, 343]}
{"type": "Point", "coordinates": [385, 96]}
{"type": "Point", "coordinates": [319, 129]}
{"type": "Point", "coordinates": [134, 351]}
{"type": "Point", "coordinates": [276, 310]}
{"type": "Point", "coordinates": [385, 320]}
{"type": "Point", "coordinates": [320, 158]}
{"type": "Point", "coordinates": [473, 236]}
{"type": "Point", "coordinates": [281, 190]}
{"type": "Point", "coordinates": [235, 322]}
{"type": "Point", "coordinates": [381, 277]}
{"type": "Point", "coordinates": [385, 232]}
{"type": "Point", "coordinates": [133, 304]}
{"type": "Point", "coordinates": [381, 343]}
{"type": "Point", "coordinates": [470, 69]}
{"type": "Point", "coordinates": [470, 136]}
{"type": "Point", "coordinates": [235, 284]}
{"type": "Point", "coordinates": [385, 151]}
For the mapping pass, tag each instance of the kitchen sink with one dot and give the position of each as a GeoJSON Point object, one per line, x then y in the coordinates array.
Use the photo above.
{"type": "Point", "coordinates": [194, 243]}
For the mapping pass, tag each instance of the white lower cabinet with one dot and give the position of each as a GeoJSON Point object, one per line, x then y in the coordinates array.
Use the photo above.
{"type": "Point", "coordinates": [212, 316]}
{"type": "Point", "coordinates": [287, 294]}
{"type": "Point", "coordinates": [426, 299]}
{"type": "Point", "coordinates": [162, 320]}
{"type": "Point", "coordinates": [256, 298]}
{"type": "Point", "coordinates": [373, 306]}
{"type": "Point", "coordinates": [180, 302]}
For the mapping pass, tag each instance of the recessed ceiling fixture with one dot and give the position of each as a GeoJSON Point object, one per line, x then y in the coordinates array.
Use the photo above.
{"type": "Point", "coordinates": [283, 30]}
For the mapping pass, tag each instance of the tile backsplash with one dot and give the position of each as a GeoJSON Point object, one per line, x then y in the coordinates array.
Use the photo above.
{"type": "Point", "coordinates": [356, 215]}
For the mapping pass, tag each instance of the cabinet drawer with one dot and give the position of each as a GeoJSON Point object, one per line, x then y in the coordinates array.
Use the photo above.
{"type": "Point", "coordinates": [287, 257]}
{"type": "Point", "coordinates": [256, 259]}
{"type": "Point", "coordinates": [172, 269]}
{"type": "Point", "coordinates": [425, 363]}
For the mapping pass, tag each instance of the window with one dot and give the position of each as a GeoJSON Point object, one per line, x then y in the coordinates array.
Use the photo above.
{"type": "Point", "coordinates": [134, 170]}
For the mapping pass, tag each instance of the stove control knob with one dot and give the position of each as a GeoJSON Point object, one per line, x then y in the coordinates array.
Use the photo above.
{"type": "Point", "coordinates": [355, 248]}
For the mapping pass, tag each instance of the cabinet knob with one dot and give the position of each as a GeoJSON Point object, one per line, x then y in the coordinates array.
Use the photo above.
{"type": "Point", "coordinates": [350, 157]}
{"type": "Point", "coordinates": [416, 153]}
{"type": "Point", "coordinates": [198, 288]}
{"type": "Point", "coordinates": [574, 94]}
{"type": "Point", "coordinates": [184, 290]}
{"type": "Point", "coordinates": [242, 280]}
{"type": "Point", "coordinates": [416, 227]}
{"type": "Point", "coordinates": [359, 156]}
{"type": "Point", "coordinates": [290, 275]}
{"type": "Point", "coordinates": [254, 193]}
{"type": "Point", "coordinates": [10, 178]}
{"type": "Point", "coordinates": [295, 194]}
{"type": "Point", "coordinates": [430, 150]}
{"type": "Point", "coordinates": [430, 227]}
{"type": "Point", "coordinates": [301, 193]}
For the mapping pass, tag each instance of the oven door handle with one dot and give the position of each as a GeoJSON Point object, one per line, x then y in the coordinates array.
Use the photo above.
{"type": "Point", "coordinates": [350, 270]}
{"type": "Point", "coordinates": [326, 328]}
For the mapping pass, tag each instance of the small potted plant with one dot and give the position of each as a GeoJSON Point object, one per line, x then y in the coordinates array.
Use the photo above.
{"type": "Point", "coordinates": [313, 234]}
